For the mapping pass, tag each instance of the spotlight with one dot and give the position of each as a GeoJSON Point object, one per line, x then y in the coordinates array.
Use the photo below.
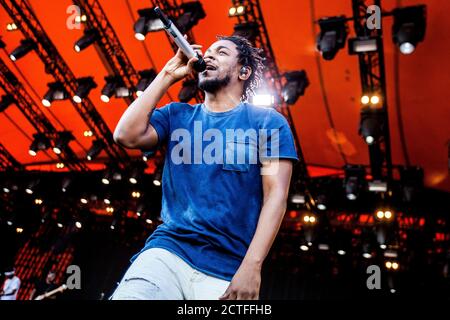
{"type": "Point", "coordinates": [298, 198]}
{"type": "Point", "coordinates": [88, 38]}
{"type": "Point", "coordinates": [332, 36]}
{"type": "Point", "coordinates": [188, 90]}
{"type": "Point", "coordinates": [362, 45]}
{"type": "Point", "coordinates": [88, 133]}
{"type": "Point", "coordinates": [135, 173]}
{"type": "Point", "coordinates": [309, 219]}
{"type": "Point", "coordinates": [25, 46]}
{"type": "Point", "coordinates": [85, 85]}
{"type": "Point", "coordinates": [192, 13]}
{"type": "Point", "coordinates": [297, 82]}
{"type": "Point", "coordinates": [65, 184]}
{"type": "Point", "coordinates": [157, 177]}
{"type": "Point", "coordinates": [388, 264]}
{"type": "Point", "coordinates": [19, 230]}
{"type": "Point", "coordinates": [136, 194]}
{"type": "Point", "coordinates": [62, 141]}
{"type": "Point", "coordinates": [56, 91]}
{"type": "Point", "coordinates": [110, 209]}
{"type": "Point", "coordinates": [409, 27]}
{"type": "Point", "coordinates": [341, 252]}
{"type": "Point", "coordinates": [40, 142]}
{"type": "Point", "coordinates": [149, 221]}
{"type": "Point", "coordinates": [78, 224]}
{"type": "Point", "coordinates": [114, 85]}
{"type": "Point", "coordinates": [383, 246]}
{"type": "Point", "coordinates": [84, 200]}
{"type": "Point", "coordinates": [107, 201]}
{"type": "Point", "coordinates": [367, 255]}
{"type": "Point", "coordinates": [321, 202]}
{"type": "Point", "coordinates": [365, 99]}
{"type": "Point", "coordinates": [371, 126]}
{"type": "Point", "coordinates": [146, 77]}
{"type": "Point", "coordinates": [11, 26]}
{"type": "Point", "coordinates": [60, 225]}
{"type": "Point", "coordinates": [384, 215]}
{"type": "Point", "coordinates": [248, 30]}
{"type": "Point", "coordinates": [38, 201]}
{"type": "Point", "coordinates": [263, 100]}
{"type": "Point", "coordinates": [97, 147]}
{"type": "Point", "coordinates": [6, 101]}
{"type": "Point", "coordinates": [354, 181]}
{"type": "Point", "coordinates": [304, 247]}
{"type": "Point", "coordinates": [148, 22]}
{"type": "Point", "coordinates": [236, 11]}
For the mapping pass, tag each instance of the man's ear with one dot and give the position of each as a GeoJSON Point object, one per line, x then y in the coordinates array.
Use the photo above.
{"type": "Point", "coordinates": [245, 73]}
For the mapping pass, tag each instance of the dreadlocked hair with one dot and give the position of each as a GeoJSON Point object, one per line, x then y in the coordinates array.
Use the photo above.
{"type": "Point", "coordinates": [251, 57]}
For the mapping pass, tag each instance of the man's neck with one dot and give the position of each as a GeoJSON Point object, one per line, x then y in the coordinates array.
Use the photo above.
{"type": "Point", "coordinates": [221, 101]}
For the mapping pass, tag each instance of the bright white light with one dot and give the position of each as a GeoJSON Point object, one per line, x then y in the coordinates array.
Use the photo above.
{"type": "Point", "coordinates": [9, 222]}
{"type": "Point", "coordinates": [12, 57]}
{"type": "Point", "coordinates": [298, 198]}
{"type": "Point", "coordinates": [304, 248]}
{"type": "Point", "coordinates": [321, 206]}
{"type": "Point", "coordinates": [374, 99]}
{"type": "Point", "coordinates": [32, 153]}
{"type": "Point", "coordinates": [324, 246]}
{"type": "Point", "coordinates": [19, 230]}
{"type": "Point", "coordinates": [78, 224]}
{"type": "Point", "coordinates": [393, 291]}
{"type": "Point", "coordinates": [29, 191]}
{"type": "Point", "coordinates": [149, 221]}
{"type": "Point", "coordinates": [365, 99]}
{"type": "Point", "coordinates": [107, 201]}
{"type": "Point", "coordinates": [306, 218]}
{"type": "Point", "coordinates": [380, 214]}
{"type": "Point", "coordinates": [232, 11]}
{"type": "Point", "coordinates": [407, 48]}
{"type": "Point", "coordinates": [351, 196]}
{"type": "Point", "coordinates": [157, 182]}
{"type": "Point", "coordinates": [105, 181]}
{"type": "Point", "coordinates": [383, 246]}
{"type": "Point", "coordinates": [370, 139]}
{"type": "Point", "coordinates": [341, 252]}
{"type": "Point", "coordinates": [388, 264]}
{"type": "Point", "coordinates": [263, 100]}
{"type": "Point", "coordinates": [83, 200]}
{"type": "Point", "coordinates": [77, 48]}
{"type": "Point", "coordinates": [395, 265]}
{"type": "Point", "coordinates": [139, 92]}
{"type": "Point", "coordinates": [310, 243]}
{"type": "Point", "coordinates": [388, 214]}
{"type": "Point", "coordinates": [312, 219]}
{"type": "Point", "coordinates": [46, 103]}
{"type": "Point", "coordinates": [77, 99]}
{"type": "Point", "coordinates": [6, 190]}
{"type": "Point", "coordinates": [104, 98]}
{"type": "Point", "coordinates": [139, 36]}
{"type": "Point", "coordinates": [367, 255]}
{"type": "Point", "coordinates": [138, 214]}
{"type": "Point", "coordinates": [112, 227]}
{"type": "Point", "coordinates": [59, 225]}
{"type": "Point", "coordinates": [133, 180]}
{"type": "Point", "coordinates": [56, 150]}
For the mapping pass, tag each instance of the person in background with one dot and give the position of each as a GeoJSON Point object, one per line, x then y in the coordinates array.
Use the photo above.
{"type": "Point", "coordinates": [11, 286]}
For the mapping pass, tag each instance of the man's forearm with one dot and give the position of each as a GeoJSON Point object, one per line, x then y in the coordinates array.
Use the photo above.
{"type": "Point", "coordinates": [134, 120]}
{"type": "Point", "coordinates": [269, 223]}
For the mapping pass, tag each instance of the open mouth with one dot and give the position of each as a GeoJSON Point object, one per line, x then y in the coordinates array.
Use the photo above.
{"type": "Point", "coordinates": [210, 67]}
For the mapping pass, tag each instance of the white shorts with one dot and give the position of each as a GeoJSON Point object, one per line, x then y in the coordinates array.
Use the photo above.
{"type": "Point", "coordinates": [158, 274]}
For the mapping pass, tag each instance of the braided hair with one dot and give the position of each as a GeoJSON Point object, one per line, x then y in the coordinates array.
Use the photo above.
{"type": "Point", "coordinates": [251, 57]}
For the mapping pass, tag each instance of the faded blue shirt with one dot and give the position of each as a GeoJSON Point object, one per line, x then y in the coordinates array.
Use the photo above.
{"type": "Point", "coordinates": [212, 183]}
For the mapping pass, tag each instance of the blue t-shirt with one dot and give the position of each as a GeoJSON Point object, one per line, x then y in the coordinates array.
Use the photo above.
{"type": "Point", "coordinates": [212, 183]}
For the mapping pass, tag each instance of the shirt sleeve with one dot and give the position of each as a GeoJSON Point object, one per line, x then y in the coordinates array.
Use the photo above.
{"type": "Point", "coordinates": [276, 140]}
{"type": "Point", "coordinates": [160, 120]}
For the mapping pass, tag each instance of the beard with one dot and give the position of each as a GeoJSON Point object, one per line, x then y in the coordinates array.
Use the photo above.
{"type": "Point", "coordinates": [213, 85]}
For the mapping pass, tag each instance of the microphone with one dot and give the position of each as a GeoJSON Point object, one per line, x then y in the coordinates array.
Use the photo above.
{"type": "Point", "coordinates": [181, 42]}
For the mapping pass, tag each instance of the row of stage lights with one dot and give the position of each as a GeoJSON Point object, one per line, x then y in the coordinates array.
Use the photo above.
{"type": "Point", "coordinates": [294, 87]}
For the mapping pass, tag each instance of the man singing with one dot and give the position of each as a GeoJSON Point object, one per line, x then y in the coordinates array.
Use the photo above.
{"type": "Point", "coordinates": [221, 207]}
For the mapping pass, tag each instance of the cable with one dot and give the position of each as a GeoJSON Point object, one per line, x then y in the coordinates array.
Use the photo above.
{"type": "Point", "coordinates": [322, 85]}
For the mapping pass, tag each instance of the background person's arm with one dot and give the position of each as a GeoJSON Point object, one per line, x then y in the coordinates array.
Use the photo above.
{"type": "Point", "coordinates": [246, 282]}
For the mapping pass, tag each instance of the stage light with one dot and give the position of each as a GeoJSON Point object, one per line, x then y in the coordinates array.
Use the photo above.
{"type": "Point", "coordinates": [149, 221]}
{"type": "Point", "coordinates": [371, 126]}
{"type": "Point", "coordinates": [332, 36]}
{"type": "Point", "coordinates": [97, 147]}
{"type": "Point", "coordinates": [6, 190]}
{"type": "Point", "coordinates": [192, 13]}
{"type": "Point", "coordinates": [367, 255]}
{"type": "Point", "coordinates": [6, 101]}
{"type": "Point", "coordinates": [88, 38]}
{"type": "Point", "coordinates": [136, 194]}
{"type": "Point", "coordinates": [84, 200]}
{"type": "Point", "coordinates": [62, 141]}
{"type": "Point", "coordinates": [19, 230]}
{"type": "Point", "coordinates": [80, 19]}
{"type": "Point", "coordinates": [144, 158]}
{"type": "Point", "coordinates": [298, 198]}
{"type": "Point", "coordinates": [107, 201]}
{"type": "Point", "coordinates": [380, 214]}
{"type": "Point", "coordinates": [323, 247]}
{"type": "Point", "coordinates": [263, 100]}
{"type": "Point", "coordinates": [148, 22]}
{"type": "Point", "coordinates": [110, 209]}
{"type": "Point", "coordinates": [374, 99]}
{"type": "Point", "coordinates": [388, 215]}
{"type": "Point", "coordinates": [85, 85]}
{"type": "Point", "coordinates": [388, 264]}
{"type": "Point", "coordinates": [409, 27]}
{"type": "Point", "coordinates": [236, 11]}
{"type": "Point", "coordinates": [296, 83]}
{"type": "Point", "coordinates": [145, 78]}
{"type": "Point", "coordinates": [411, 179]}
{"type": "Point", "coordinates": [157, 177]}
{"type": "Point", "coordinates": [11, 26]}
{"type": "Point", "coordinates": [395, 265]}
{"type": "Point", "coordinates": [365, 99]}
{"type": "Point", "coordinates": [384, 215]}
{"type": "Point", "coordinates": [26, 45]}
{"type": "Point", "coordinates": [65, 184]}
{"type": "Point", "coordinates": [60, 225]}
{"type": "Point", "coordinates": [78, 224]}
{"type": "Point", "coordinates": [9, 223]}
{"type": "Point", "coordinates": [309, 219]}
{"type": "Point", "coordinates": [341, 252]}
{"type": "Point", "coordinates": [88, 133]}
{"type": "Point", "coordinates": [354, 181]}
{"type": "Point", "coordinates": [40, 142]}
{"type": "Point", "coordinates": [38, 201]}
{"type": "Point", "coordinates": [383, 246]}
{"type": "Point", "coordinates": [377, 186]}
{"type": "Point", "coordinates": [362, 45]}
{"type": "Point", "coordinates": [56, 91]}
{"type": "Point", "coordinates": [109, 88]}
{"type": "Point", "coordinates": [304, 248]}
{"type": "Point", "coordinates": [321, 202]}
{"type": "Point", "coordinates": [248, 30]}
{"type": "Point", "coordinates": [306, 218]}
{"type": "Point", "coordinates": [188, 90]}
